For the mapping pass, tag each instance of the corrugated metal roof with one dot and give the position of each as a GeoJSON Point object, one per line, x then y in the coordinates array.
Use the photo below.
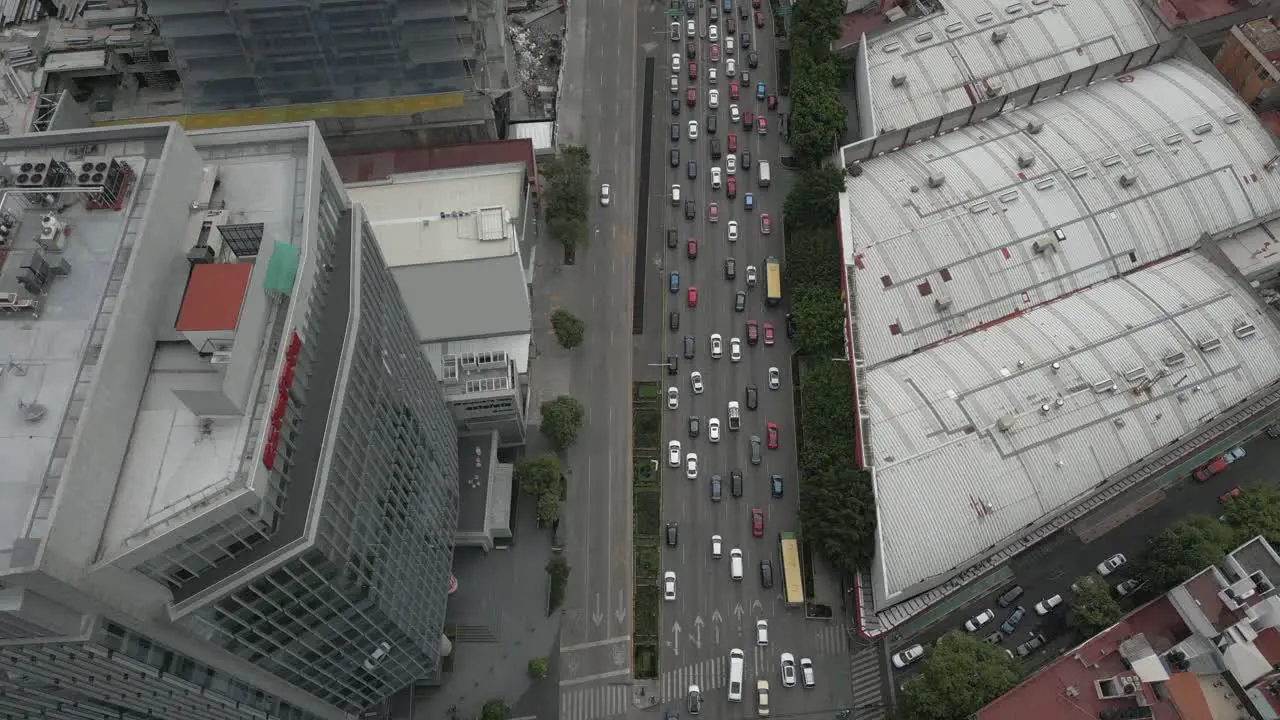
{"type": "Point", "coordinates": [541, 134]}
{"type": "Point", "coordinates": [947, 58]}
{"type": "Point", "coordinates": [980, 436]}
{"type": "Point", "coordinates": [935, 261]}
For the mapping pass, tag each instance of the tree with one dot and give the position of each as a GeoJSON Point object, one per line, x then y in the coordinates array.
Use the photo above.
{"type": "Point", "coordinates": [959, 676]}
{"type": "Point", "coordinates": [838, 514]}
{"type": "Point", "coordinates": [538, 476]}
{"type": "Point", "coordinates": [495, 709]}
{"type": "Point", "coordinates": [558, 569]}
{"type": "Point", "coordinates": [813, 259]}
{"type": "Point", "coordinates": [818, 117]}
{"type": "Point", "coordinates": [561, 419]}
{"type": "Point", "coordinates": [827, 418]}
{"type": "Point", "coordinates": [815, 200]}
{"type": "Point", "coordinates": [1255, 512]}
{"type": "Point", "coordinates": [566, 196]}
{"type": "Point", "coordinates": [569, 328]}
{"type": "Point", "coordinates": [548, 508]}
{"type": "Point", "coordinates": [819, 316]}
{"type": "Point", "coordinates": [1092, 606]}
{"type": "Point", "coordinates": [568, 231]}
{"type": "Point", "coordinates": [538, 668]}
{"type": "Point", "coordinates": [1183, 550]}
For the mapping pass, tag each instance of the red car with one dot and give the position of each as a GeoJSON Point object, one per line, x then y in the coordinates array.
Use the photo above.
{"type": "Point", "coordinates": [757, 522]}
{"type": "Point", "coordinates": [691, 97]}
{"type": "Point", "coordinates": [759, 19]}
{"type": "Point", "coordinates": [731, 187]}
{"type": "Point", "coordinates": [771, 435]}
{"type": "Point", "coordinates": [693, 71]}
{"type": "Point", "coordinates": [772, 102]}
{"type": "Point", "coordinates": [755, 4]}
{"type": "Point", "coordinates": [768, 333]}
{"type": "Point", "coordinates": [1213, 467]}
{"type": "Point", "coordinates": [715, 53]}
{"type": "Point", "coordinates": [1229, 495]}
{"type": "Point", "coordinates": [733, 142]}
{"type": "Point", "coordinates": [713, 210]}
{"type": "Point", "coordinates": [762, 126]}
{"type": "Point", "coordinates": [766, 224]}
{"type": "Point", "coordinates": [748, 119]}
{"type": "Point", "coordinates": [753, 332]}
{"type": "Point", "coordinates": [733, 90]}
{"type": "Point", "coordinates": [693, 297]}
{"type": "Point", "coordinates": [693, 248]}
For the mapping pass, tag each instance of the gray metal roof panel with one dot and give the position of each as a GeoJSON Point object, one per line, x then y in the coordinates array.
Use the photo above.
{"type": "Point", "coordinates": [467, 298]}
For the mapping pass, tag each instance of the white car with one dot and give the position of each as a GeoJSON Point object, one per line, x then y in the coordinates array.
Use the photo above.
{"type": "Point", "coordinates": [675, 83]}
{"type": "Point", "coordinates": [713, 430]}
{"type": "Point", "coordinates": [717, 345]}
{"type": "Point", "coordinates": [775, 378]}
{"type": "Point", "coordinates": [752, 277]}
{"type": "Point", "coordinates": [733, 231]}
{"type": "Point", "coordinates": [731, 163]}
{"type": "Point", "coordinates": [788, 670]}
{"type": "Point", "coordinates": [1045, 606]}
{"type": "Point", "coordinates": [730, 67]}
{"type": "Point", "coordinates": [728, 45]}
{"type": "Point", "coordinates": [713, 33]}
{"type": "Point", "coordinates": [711, 76]}
{"type": "Point", "coordinates": [734, 113]}
{"type": "Point", "coordinates": [675, 32]}
{"type": "Point", "coordinates": [673, 398]}
{"type": "Point", "coordinates": [695, 379]}
{"type": "Point", "coordinates": [604, 194]}
{"type": "Point", "coordinates": [713, 98]}
{"type": "Point", "coordinates": [691, 466]}
{"type": "Point", "coordinates": [675, 194]}
{"type": "Point", "coordinates": [669, 585]}
{"type": "Point", "coordinates": [673, 453]}
{"type": "Point", "coordinates": [908, 656]}
{"type": "Point", "coordinates": [735, 349]}
{"type": "Point", "coordinates": [675, 63]}
{"type": "Point", "coordinates": [693, 129]}
{"type": "Point", "coordinates": [806, 673]}
{"type": "Point", "coordinates": [977, 621]}
{"type": "Point", "coordinates": [691, 28]}
{"type": "Point", "coordinates": [716, 546]}
{"type": "Point", "coordinates": [1108, 566]}
{"type": "Point", "coordinates": [762, 632]}
{"type": "Point", "coordinates": [715, 178]}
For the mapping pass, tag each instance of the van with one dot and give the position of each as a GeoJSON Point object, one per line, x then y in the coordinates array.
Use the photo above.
{"type": "Point", "coordinates": [735, 675]}
{"type": "Point", "coordinates": [764, 173]}
{"type": "Point", "coordinates": [735, 564]}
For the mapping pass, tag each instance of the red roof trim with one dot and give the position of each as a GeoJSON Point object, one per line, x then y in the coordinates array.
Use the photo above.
{"type": "Point", "coordinates": [365, 167]}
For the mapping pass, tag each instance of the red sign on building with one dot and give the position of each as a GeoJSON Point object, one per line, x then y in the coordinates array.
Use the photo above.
{"type": "Point", "coordinates": [283, 385]}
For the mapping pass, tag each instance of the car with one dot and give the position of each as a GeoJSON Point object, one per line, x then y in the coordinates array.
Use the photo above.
{"type": "Point", "coordinates": [675, 194]}
{"type": "Point", "coordinates": [712, 77]}
{"type": "Point", "coordinates": [730, 269]}
{"type": "Point", "coordinates": [713, 32]}
{"type": "Point", "coordinates": [675, 32]}
{"type": "Point", "coordinates": [908, 656]}
{"type": "Point", "coordinates": [745, 41]}
{"type": "Point", "coordinates": [731, 65]}
{"type": "Point", "coordinates": [735, 349]}
{"type": "Point", "coordinates": [731, 162]}
{"type": "Point", "coordinates": [1209, 469]}
{"type": "Point", "coordinates": [766, 574]}
{"type": "Point", "coordinates": [1229, 495]}
{"type": "Point", "coordinates": [1008, 597]}
{"type": "Point", "coordinates": [762, 697]}
{"type": "Point", "coordinates": [775, 378]}
{"type": "Point", "coordinates": [733, 141]}
{"type": "Point", "coordinates": [768, 333]}
{"type": "Point", "coordinates": [717, 346]}
{"type": "Point", "coordinates": [715, 488]}
{"type": "Point", "coordinates": [692, 169]}
{"type": "Point", "coordinates": [766, 224]}
{"type": "Point", "coordinates": [674, 157]}
{"type": "Point", "coordinates": [693, 297]}
{"type": "Point", "coordinates": [675, 63]}
{"type": "Point", "coordinates": [755, 450]}
{"type": "Point", "coordinates": [694, 700]}
{"type": "Point", "coordinates": [692, 248]}
{"type": "Point", "coordinates": [673, 534]}
{"type": "Point", "coordinates": [788, 662]}
{"type": "Point", "coordinates": [1011, 623]}
{"type": "Point", "coordinates": [749, 201]}
{"type": "Point", "coordinates": [693, 70]}
{"type": "Point", "coordinates": [674, 283]}
{"type": "Point", "coordinates": [717, 544]}
{"type": "Point", "coordinates": [675, 106]}
{"type": "Point", "coordinates": [762, 125]}
{"type": "Point", "coordinates": [1029, 646]}
{"type": "Point", "coordinates": [691, 466]}
{"type": "Point", "coordinates": [1129, 587]}
{"type": "Point", "coordinates": [673, 453]}
{"type": "Point", "coordinates": [673, 320]}
{"type": "Point", "coordinates": [759, 19]}
{"type": "Point", "coordinates": [753, 397]}
{"type": "Point", "coordinates": [1233, 454]}
{"type": "Point", "coordinates": [752, 277]}
{"type": "Point", "coordinates": [690, 347]}
{"type": "Point", "coordinates": [731, 187]}
{"type": "Point", "coordinates": [757, 522]}
{"type": "Point", "coordinates": [734, 90]}
{"type": "Point", "coordinates": [673, 398]}
{"type": "Point", "coordinates": [762, 631]}
{"type": "Point", "coordinates": [994, 638]}
{"type": "Point", "coordinates": [695, 426]}
{"type": "Point", "coordinates": [746, 159]}
{"type": "Point", "coordinates": [715, 53]}
{"type": "Point", "coordinates": [713, 212]}
{"type": "Point", "coordinates": [669, 585]}
{"type": "Point", "coordinates": [771, 435]}
{"type": "Point", "coordinates": [675, 131]}
{"type": "Point", "coordinates": [675, 85]}
{"type": "Point", "coordinates": [713, 14]}
{"type": "Point", "coordinates": [733, 230]}
{"type": "Point", "coordinates": [806, 673]}
{"type": "Point", "coordinates": [753, 332]}
{"type": "Point", "coordinates": [735, 483]}
{"type": "Point", "coordinates": [691, 28]}
{"type": "Point", "coordinates": [771, 102]}
{"type": "Point", "coordinates": [715, 148]}
{"type": "Point", "coordinates": [695, 379]}
{"type": "Point", "coordinates": [740, 301]}
{"type": "Point", "coordinates": [1045, 606]}
{"type": "Point", "coordinates": [748, 119]}
{"type": "Point", "coordinates": [730, 27]}
{"type": "Point", "coordinates": [673, 365]}
{"type": "Point", "coordinates": [753, 59]}
{"type": "Point", "coordinates": [691, 97]}
{"type": "Point", "coordinates": [715, 178]}
{"type": "Point", "coordinates": [1273, 431]}
{"type": "Point", "coordinates": [693, 129]}
{"type": "Point", "coordinates": [775, 485]}
{"type": "Point", "coordinates": [1108, 566]}
{"type": "Point", "coordinates": [713, 430]}
{"type": "Point", "coordinates": [977, 621]}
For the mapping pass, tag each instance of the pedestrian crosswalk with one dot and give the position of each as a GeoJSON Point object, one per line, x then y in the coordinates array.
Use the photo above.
{"type": "Point", "coordinates": [709, 674]}
{"type": "Point", "coordinates": [825, 639]}
{"type": "Point", "coordinates": [866, 678]}
{"type": "Point", "coordinates": [594, 703]}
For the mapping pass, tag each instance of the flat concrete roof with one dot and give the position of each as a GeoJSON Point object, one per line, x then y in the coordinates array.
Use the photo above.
{"type": "Point", "coordinates": [475, 470]}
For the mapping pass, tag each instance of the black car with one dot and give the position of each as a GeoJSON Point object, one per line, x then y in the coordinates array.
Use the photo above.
{"type": "Point", "coordinates": [715, 488]}
{"type": "Point", "coordinates": [674, 321]}
{"type": "Point", "coordinates": [693, 169]}
{"type": "Point", "coordinates": [673, 534]}
{"type": "Point", "coordinates": [714, 13]}
{"type": "Point", "coordinates": [695, 425]}
{"type": "Point", "coordinates": [689, 346]}
{"type": "Point", "coordinates": [1008, 597]}
{"type": "Point", "coordinates": [994, 638]}
{"type": "Point", "coordinates": [775, 485]}
{"type": "Point", "coordinates": [730, 269]}
{"type": "Point", "coordinates": [675, 157]}
{"type": "Point", "coordinates": [691, 50]}
{"type": "Point", "coordinates": [673, 240]}
{"type": "Point", "coordinates": [743, 12]}
{"type": "Point", "coordinates": [730, 25]}
{"type": "Point", "coordinates": [711, 123]}
{"type": "Point", "coordinates": [753, 59]}
{"type": "Point", "coordinates": [675, 129]}
{"type": "Point", "coordinates": [753, 397]}
{"type": "Point", "coordinates": [675, 106]}
{"type": "Point", "coordinates": [715, 148]}
{"type": "Point", "coordinates": [690, 210]}
{"type": "Point", "coordinates": [735, 482]}
{"type": "Point", "coordinates": [745, 41]}
{"type": "Point", "coordinates": [740, 301]}
{"type": "Point", "coordinates": [791, 326]}
{"type": "Point", "coordinates": [766, 574]}
{"type": "Point", "coordinates": [673, 365]}
{"type": "Point", "coordinates": [691, 7]}
{"type": "Point", "coordinates": [746, 159]}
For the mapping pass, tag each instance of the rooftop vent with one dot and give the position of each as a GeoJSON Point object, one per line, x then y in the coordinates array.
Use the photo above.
{"type": "Point", "coordinates": [1244, 329]}
{"type": "Point", "coordinates": [1026, 160]}
{"type": "Point", "coordinates": [994, 88]}
{"type": "Point", "coordinates": [1104, 386]}
{"type": "Point", "coordinates": [899, 79]}
{"type": "Point", "coordinates": [1128, 180]}
{"type": "Point", "coordinates": [1136, 374]}
{"type": "Point", "coordinates": [941, 301]}
{"type": "Point", "coordinates": [1044, 245]}
{"type": "Point", "coordinates": [999, 35]}
{"type": "Point", "coordinates": [1034, 127]}
{"type": "Point", "coordinates": [1004, 423]}
{"type": "Point", "coordinates": [1045, 408]}
{"type": "Point", "coordinates": [935, 180]}
{"type": "Point", "coordinates": [1056, 366]}
{"type": "Point", "coordinates": [1210, 344]}
{"type": "Point", "coordinates": [1175, 359]}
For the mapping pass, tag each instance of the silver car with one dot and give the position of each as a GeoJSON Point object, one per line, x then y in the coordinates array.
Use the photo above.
{"type": "Point", "coordinates": [755, 449]}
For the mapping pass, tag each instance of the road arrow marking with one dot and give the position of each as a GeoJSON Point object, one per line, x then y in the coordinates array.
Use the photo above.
{"type": "Point", "coordinates": [697, 626]}
{"type": "Point", "coordinates": [756, 607]}
{"type": "Point", "coordinates": [597, 617]}
{"type": "Point", "coordinates": [675, 631]}
{"type": "Point", "coordinates": [737, 610]}
{"type": "Point", "coordinates": [716, 619]}
{"type": "Point", "coordinates": [621, 612]}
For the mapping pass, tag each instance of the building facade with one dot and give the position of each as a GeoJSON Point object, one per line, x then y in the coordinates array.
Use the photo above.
{"type": "Point", "coordinates": [1248, 60]}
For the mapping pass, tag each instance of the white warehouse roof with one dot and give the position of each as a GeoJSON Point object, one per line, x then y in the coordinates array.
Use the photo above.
{"type": "Point", "coordinates": [974, 49]}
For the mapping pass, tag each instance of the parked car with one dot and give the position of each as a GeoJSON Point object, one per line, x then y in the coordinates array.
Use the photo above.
{"type": "Point", "coordinates": [908, 656]}
{"type": "Point", "coordinates": [979, 620]}
{"type": "Point", "coordinates": [1008, 597]}
{"type": "Point", "coordinates": [1229, 495]}
{"type": "Point", "coordinates": [1209, 469]}
{"type": "Point", "coordinates": [1011, 622]}
{"type": "Point", "coordinates": [1029, 646]}
{"type": "Point", "coordinates": [673, 534]}
{"type": "Point", "coordinates": [1045, 606]}
{"type": "Point", "coordinates": [1233, 454]}
{"type": "Point", "coordinates": [1129, 587]}
{"type": "Point", "coordinates": [1108, 566]}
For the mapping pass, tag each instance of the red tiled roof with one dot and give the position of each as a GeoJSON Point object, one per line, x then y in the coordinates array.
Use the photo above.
{"type": "Point", "coordinates": [1271, 119]}
{"type": "Point", "coordinates": [1268, 643]}
{"type": "Point", "coordinates": [1204, 589]}
{"type": "Point", "coordinates": [1065, 687]}
{"type": "Point", "coordinates": [214, 294]}
{"type": "Point", "coordinates": [381, 165]}
{"type": "Point", "coordinates": [1188, 696]}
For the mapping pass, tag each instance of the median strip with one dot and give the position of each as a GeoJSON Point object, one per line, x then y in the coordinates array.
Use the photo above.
{"type": "Point", "coordinates": [646, 423]}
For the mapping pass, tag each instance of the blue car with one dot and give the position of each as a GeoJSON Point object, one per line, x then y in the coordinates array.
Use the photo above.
{"type": "Point", "coordinates": [760, 90]}
{"type": "Point", "coordinates": [675, 281]}
{"type": "Point", "coordinates": [728, 6]}
{"type": "Point", "coordinates": [746, 41]}
{"type": "Point", "coordinates": [748, 202]}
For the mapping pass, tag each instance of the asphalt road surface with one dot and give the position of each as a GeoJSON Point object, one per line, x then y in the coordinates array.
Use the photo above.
{"type": "Point", "coordinates": [595, 637]}
{"type": "Point", "coordinates": [713, 613]}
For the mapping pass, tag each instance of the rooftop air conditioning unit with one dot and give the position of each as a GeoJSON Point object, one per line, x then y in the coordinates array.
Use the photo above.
{"type": "Point", "coordinates": [91, 172]}
{"type": "Point", "coordinates": [936, 180]}
{"type": "Point", "coordinates": [1026, 160]}
{"type": "Point", "coordinates": [221, 357]}
{"type": "Point", "coordinates": [1044, 245]}
{"type": "Point", "coordinates": [941, 302]}
{"type": "Point", "coordinates": [1209, 344]}
{"type": "Point", "coordinates": [994, 88]}
{"type": "Point", "coordinates": [1244, 329]}
{"type": "Point", "coordinates": [999, 35]}
{"type": "Point", "coordinates": [37, 174]}
{"type": "Point", "coordinates": [1128, 180]}
{"type": "Point", "coordinates": [899, 79]}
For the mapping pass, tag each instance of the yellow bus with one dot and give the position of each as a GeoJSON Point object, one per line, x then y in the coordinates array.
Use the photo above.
{"type": "Point", "coordinates": [791, 569]}
{"type": "Point", "coordinates": [773, 280]}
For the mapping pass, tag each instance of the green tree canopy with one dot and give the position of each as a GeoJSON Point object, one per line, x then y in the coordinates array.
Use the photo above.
{"type": "Point", "coordinates": [569, 328]}
{"type": "Point", "coordinates": [826, 415]}
{"type": "Point", "coordinates": [1255, 512]}
{"type": "Point", "coordinates": [495, 709]}
{"type": "Point", "coordinates": [538, 668]}
{"type": "Point", "coordinates": [818, 117]}
{"type": "Point", "coordinates": [957, 677]}
{"type": "Point", "coordinates": [538, 476]}
{"type": "Point", "coordinates": [1183, 550]}
{"type": "Point", "coordinates": [566, 194]}
{"type": "Point", "coordinates": [838, 513]}
{"type": "Point", "coordinates": [1092, 606]}
{"type": "Point", "coordinates": [819, 316]}
{"type": "Point", "coordinates": [561, 419]}
{"type": "Point", "coordinates": [813, 260]}
{"type": "Point", "coordinates": [815, 201]}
